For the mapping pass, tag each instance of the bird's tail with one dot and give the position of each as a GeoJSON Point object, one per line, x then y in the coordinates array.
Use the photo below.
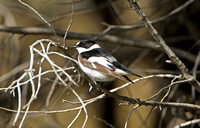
{"type": "Point", "coordinates": [126, 77]}
{"type": "Point", "coordinates": [135, 74]}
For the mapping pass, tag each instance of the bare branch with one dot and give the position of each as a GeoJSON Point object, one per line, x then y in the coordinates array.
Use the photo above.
{"type": "Point", "coordinates": [131, 100]}
{"type": "Point", "coordinates": [135, 107]}
{"type": "Point", "coordinates": [164, 46]}
{"type": "Point", "coordinates": [105, 122]}
{"type": "Point", "coordinates": [14, 71]}
{"type": "Point", "coordinates": [70, 24]}
{"type": "Point", "coordinates": [195, 121]}
{"type": "Point", "coordinates": [111, 29]}
{"type": "Point", "coordinates": [106, 38]}
{"type": "Point", "coordinates": [33, 79]}
{"type": "Point", "coordinates": [37, 13]}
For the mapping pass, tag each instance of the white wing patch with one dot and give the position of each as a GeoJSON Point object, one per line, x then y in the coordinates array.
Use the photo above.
{"type": "Point", "coordinates": [104, 62]}
{"type": "Point", "coordinates": [101, 60]}
{"type": "Point", "coordinates": [102, 72]}
{"type": "Point", "coordinates": [93, 65]}
{"type": "Point", "coordinates": [121, 72]}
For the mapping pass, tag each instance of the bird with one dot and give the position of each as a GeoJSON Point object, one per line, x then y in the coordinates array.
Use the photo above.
{"type": "Point", "coordinates": [99, 64]}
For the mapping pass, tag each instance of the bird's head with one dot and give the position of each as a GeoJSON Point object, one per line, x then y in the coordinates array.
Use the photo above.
{"type": "Point", "coordinates": [85, 45]}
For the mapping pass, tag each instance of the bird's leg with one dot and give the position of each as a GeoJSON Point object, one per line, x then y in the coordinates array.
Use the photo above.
{"type": "Point", "coordinates": [91, 87]}
{"type": "Point", "coordinates": [100, 84]}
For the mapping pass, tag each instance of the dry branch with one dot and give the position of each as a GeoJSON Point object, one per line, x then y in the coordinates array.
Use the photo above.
{"type": "Point", "coordinates": [57, 70]}
{"type": "Point", "coordinates": [164, 46]}
{"type": "Point", "coordinates": [111, 29]}
{"type": "Point", "coordinates": [107, 38]}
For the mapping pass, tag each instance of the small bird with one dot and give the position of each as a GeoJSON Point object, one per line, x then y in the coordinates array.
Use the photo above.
{"type": "Point", "coordinates": [98, 64]}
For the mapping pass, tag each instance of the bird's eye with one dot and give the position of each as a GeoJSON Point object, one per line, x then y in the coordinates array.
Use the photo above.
{"type": "Point", "coordinates": [85, 43]}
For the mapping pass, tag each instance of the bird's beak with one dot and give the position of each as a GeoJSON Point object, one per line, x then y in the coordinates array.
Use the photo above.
{"type": "Point", "coordinates": [73, 46]}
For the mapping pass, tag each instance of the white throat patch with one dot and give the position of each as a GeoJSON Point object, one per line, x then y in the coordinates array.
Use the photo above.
{"type": "Point", "coordinates": [80, 49]}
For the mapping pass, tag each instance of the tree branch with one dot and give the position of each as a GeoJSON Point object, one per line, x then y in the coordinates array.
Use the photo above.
{"type": "Point", "coordinates": [107, 38]}
{"type": "Point", "coordinates": [111, 29]}
{"type": "Point", "coordinates": [164, 46]}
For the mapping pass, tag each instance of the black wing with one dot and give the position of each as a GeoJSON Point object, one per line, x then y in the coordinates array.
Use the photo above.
{"type": "Point", "coordinates": [99, 52]}
{"type": "Point", "coordinates": [118, 65]}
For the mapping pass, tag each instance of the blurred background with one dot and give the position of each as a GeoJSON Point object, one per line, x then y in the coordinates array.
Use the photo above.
{"type": "Point", "coordinates": [181, 31]}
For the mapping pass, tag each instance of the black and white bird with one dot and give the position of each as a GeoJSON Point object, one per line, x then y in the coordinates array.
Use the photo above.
{"type": "Point", "coordinates": [98, 64]}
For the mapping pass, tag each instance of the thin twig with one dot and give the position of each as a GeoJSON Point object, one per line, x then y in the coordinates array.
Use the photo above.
{"type": "Point", "coordinates": [14, 71]}
{"type": "Point", "coordinates": [41, 17]}
{"type": "Point", "coordinates": [166, 87]}
{"type": "Point", "coordinates": [185, 124]}
{"type": "Point", "coordinates": [75, 118]}
{"type": "Point", "coordinates": [194, 72]}
{"type": "Point", "coordinates": [169, 89]}
{"type": "Point", "coordinates": [70, 24]}
{"type": "Point", "coordinates": [111, 29]}
{"type": "Point", "coordinates": [135, 107]}
{"type": "Point", "coordinates": [105, 122]}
